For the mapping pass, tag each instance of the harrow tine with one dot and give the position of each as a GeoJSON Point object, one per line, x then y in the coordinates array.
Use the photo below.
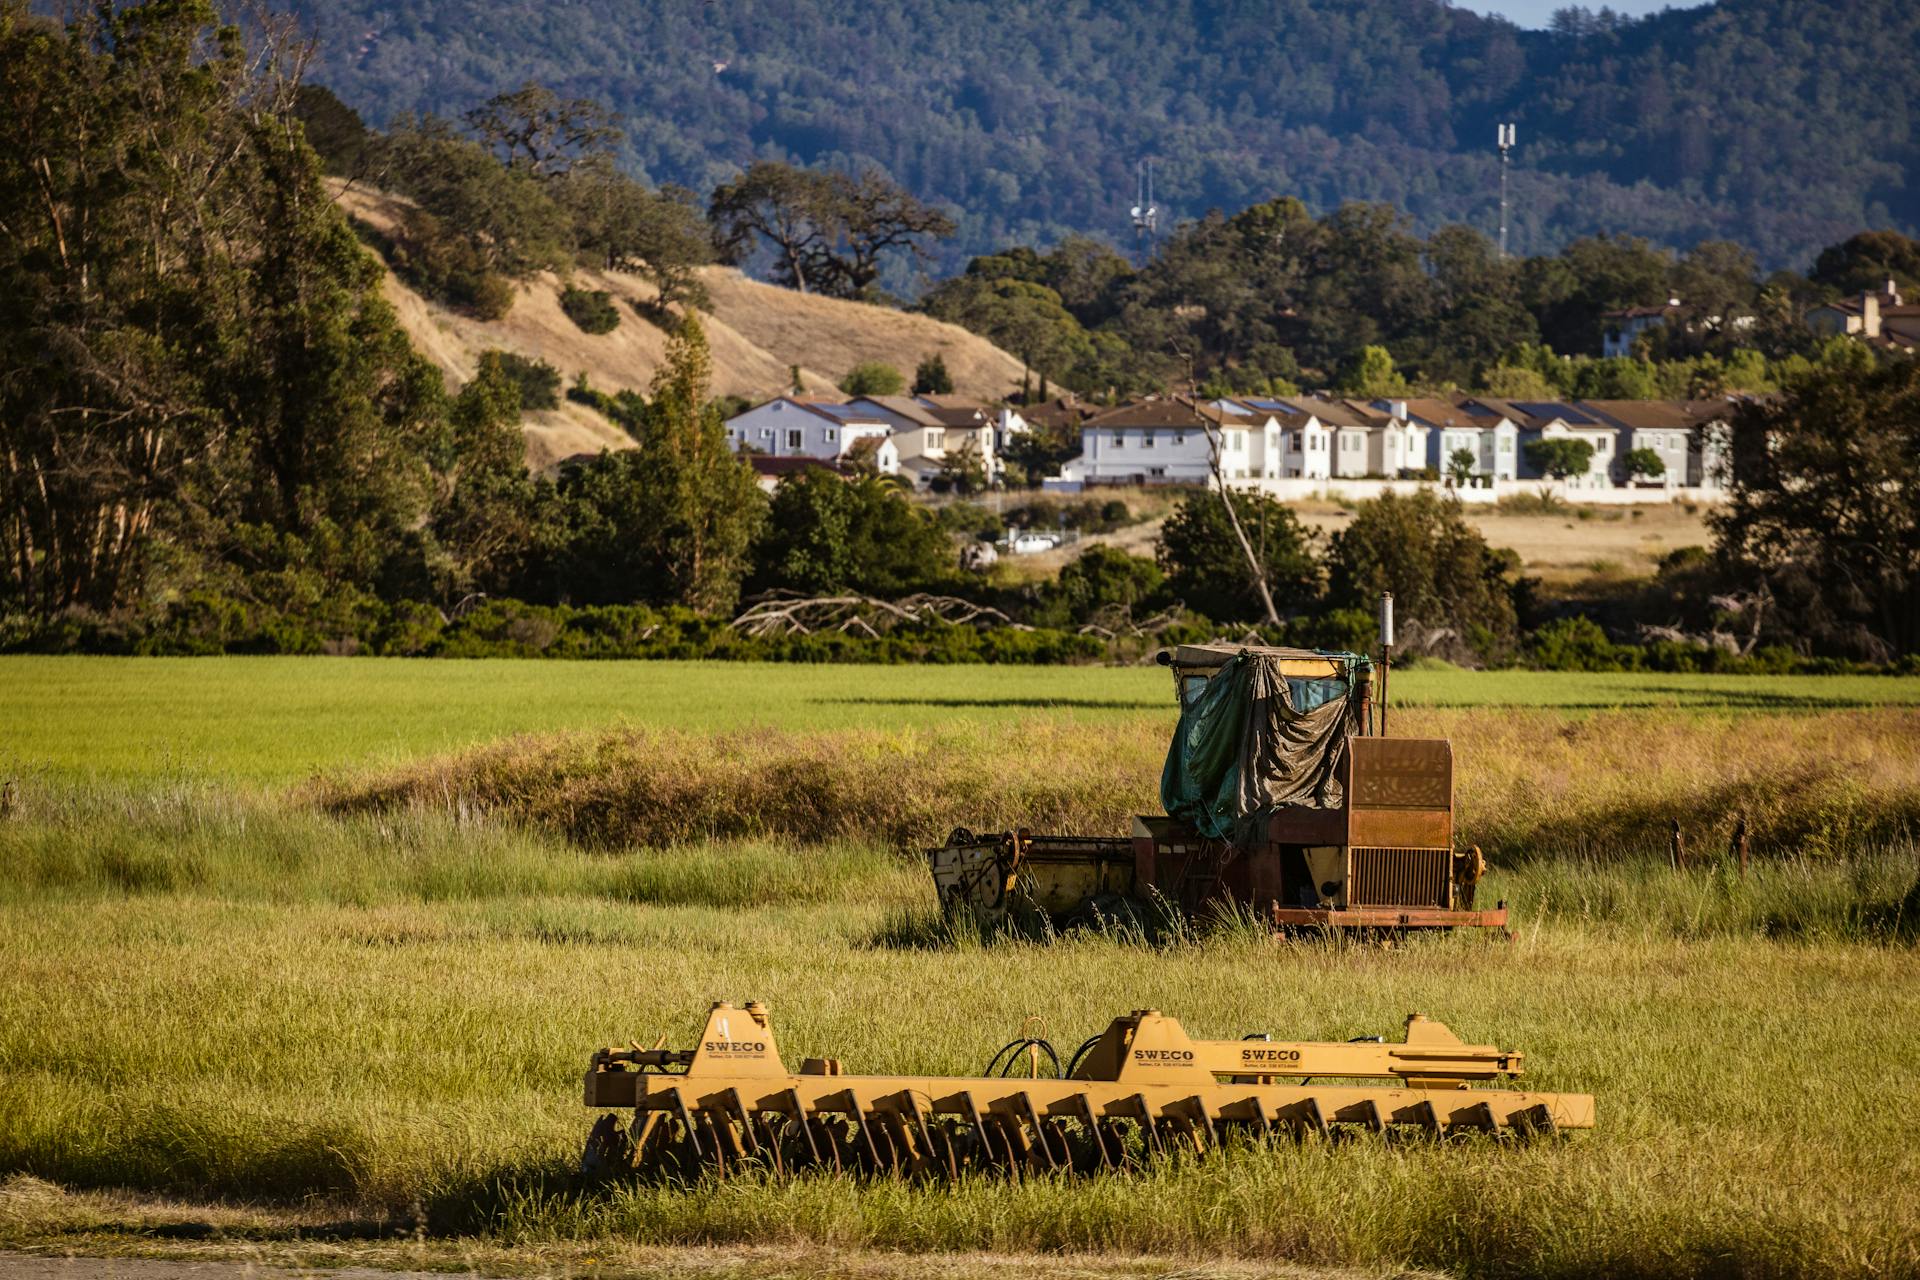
{"type": "Point", "coordinates": [686, 1119]}
{"type": "Point", "coordinates": [1428, 1118]}
{"type": "Point", "coordinates": [1093, 1131]}
{"type": "Point", "coordinates": [1481, 1117]}
{"type": "Point", "coordinates": [862, 1130]}
{"type": "Point", "coordinates": [718, 1161]}
{"type": "Point", "coordinates": [1039, 1130]}
{"type": "Point", "coordinates": [817, 1127]}
{"type": "Point", "coordinates": [924, 1134]}
{"type": "Point", "coordinates": [1535, 1120]}
{"type": "Point", "coordinates": [746, 1138]}
{"type": "Point", "coordinates": [800, 1118]}
{"type": "Point", "coordinates": [1206, 1120]}
{"type": "Point", "coordinates": [770, 1139]}
{"type": "Point", "coordinates": [1307, 1118]}
{"type": "Point", "coordinates": [1371, 1117]}
{"type": "Point", "coordinates": [979, 1125]}
{"type": "Point", "coordinates": [1155, 1147]}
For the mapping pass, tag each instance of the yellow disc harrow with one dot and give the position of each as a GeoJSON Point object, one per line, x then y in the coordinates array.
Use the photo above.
{"type": "Point", "coordinates": [1139, 1091]}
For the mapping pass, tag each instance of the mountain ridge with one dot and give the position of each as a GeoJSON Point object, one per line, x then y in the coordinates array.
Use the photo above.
{"type": "Point", "coordinates": [1782, 124]}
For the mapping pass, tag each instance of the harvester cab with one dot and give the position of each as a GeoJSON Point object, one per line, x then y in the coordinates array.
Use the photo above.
{"type": "Point", "coordinates": [1283, 797]}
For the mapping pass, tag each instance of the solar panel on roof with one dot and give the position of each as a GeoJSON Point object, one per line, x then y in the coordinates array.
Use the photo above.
{"type": "Point", "coordinates": [1273, 406]}
{"type": "Point", "coordinates": [1228, 406]}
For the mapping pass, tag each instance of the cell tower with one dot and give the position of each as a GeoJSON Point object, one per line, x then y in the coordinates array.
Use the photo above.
{"type": "Point", "coordinates": [1505, 143]}
{"type": "Point", "coordinates": [1146, 214]}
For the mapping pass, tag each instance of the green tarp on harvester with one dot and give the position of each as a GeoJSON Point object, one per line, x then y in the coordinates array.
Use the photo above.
{"type": "Point", "coordinates": [1252, 740]}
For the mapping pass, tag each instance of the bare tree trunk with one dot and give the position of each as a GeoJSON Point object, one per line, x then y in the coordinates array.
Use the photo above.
{"type": "Point", "coordinates": [1254, 566]}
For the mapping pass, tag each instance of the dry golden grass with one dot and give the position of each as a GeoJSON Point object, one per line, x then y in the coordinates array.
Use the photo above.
{"type": "Point", "coordinates": [1529, 783]}
{"type": "Point", "coordinates": [757, 333]}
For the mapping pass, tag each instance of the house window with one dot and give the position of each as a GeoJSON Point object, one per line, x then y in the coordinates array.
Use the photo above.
{"type": "Point", "coordinates": [936, 439]}
{"type": "Point", "coordinates": [1601, 446]}
{"type": "Point", "coordinates": [1293, 440]}
{"type": "Point", "coordinates": [766, 433]}
{"type": "Point", "coordinates": [1119, 440]}
{"type": "Point", "coordinates": [1179, 439]}
{"type": "Point", "coordinates": [1146, 439]}
{"type": "Point", "coordinates": [829, 435]}
{"type": "Point", "coordinates": [1506, 444]}
{"type": "Point", "coordinates": [793, 438]}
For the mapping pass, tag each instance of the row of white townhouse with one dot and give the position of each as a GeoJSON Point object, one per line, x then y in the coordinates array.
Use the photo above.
{"type": "Point", "coordinates": [911, 436]}
{"type": "Point", "coordinates": [1174, 441]}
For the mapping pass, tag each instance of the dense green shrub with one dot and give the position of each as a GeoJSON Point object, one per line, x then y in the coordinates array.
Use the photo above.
{"type": "Point", "coordinates": [591, 309]}
{"type": "Point", "coordinates": [539, 382]}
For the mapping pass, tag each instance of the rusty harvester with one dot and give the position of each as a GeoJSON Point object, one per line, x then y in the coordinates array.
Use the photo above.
{"type": "Point", "coordinates": [1284, 798]}
{"type": "Point", "coordinates": [1140, 1090]}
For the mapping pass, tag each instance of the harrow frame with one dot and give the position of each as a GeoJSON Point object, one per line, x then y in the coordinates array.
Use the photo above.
{"type": "Point", "coordinates": [1141, 1090]}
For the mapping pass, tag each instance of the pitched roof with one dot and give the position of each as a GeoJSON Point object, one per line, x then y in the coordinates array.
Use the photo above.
{"type": "Point", "coordinates": [971, 416]}
{"type": "Point", "coordinates": [1641, 415]}
{"type": "Point", "coordinates": [1148, 413]}
{"type": "Point", "coordinates": [1291, 413]}
{"type": "Point", "coordinates": [845, 414]}
{"type": "Point", "coordinates": [1440, 413]}
{"type": "Point", "coordinates": [1658, 415]}
{"type": "Point", "coordinates": [1332, 413]}
{"type": "Point", "coordinates": [1060, 411]}
{"type": "Point", "coordinates": [1369, 414]}
{"type": "Point", "coordinates": [903, 407]}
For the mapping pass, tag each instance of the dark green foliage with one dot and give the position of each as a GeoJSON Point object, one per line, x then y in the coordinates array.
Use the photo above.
{"type": "Point", "coordinates": [828, 231]}
{"type": "Point", "coordinates": [538, 381]}
{"type": "Point", "coordinates": [484, 219]}
{"type": "Point", "coordinates": [873, 378]}
{"type": "Point", "coordinates": [1644, 464]}
{"type": "Point", "coordinates": [591, 309]}
{"type": "Point", "coordinates": [1104, 578]}
{"type": "Point", "coordinates": [624, 408]}
{"type": "Point", "coordinates": [931, 377]}
{"type": "Point", "coordinates": [1460, 466]}
{"type": "Point", "coordinates": [1825, 511]}
{"type": "Point", "coordinates": [825, 535]}
{"type": "Point", "coordinates": [1558, 457]}
{"type": "Point", "coordinates": [963, 471]}
{"type": "Point", "coordinates": [198, 374]}
{"type": "Point", "coordinates": [1866, 262]}
{"type": "Point", "coordinates": [1451, 591]}
{"type": "Point", "coordinates": [1207, 571]}
{"type": "Point", "coordinates": [1779, 124]}
{"type": "Point", "coordinates": [334, 130]}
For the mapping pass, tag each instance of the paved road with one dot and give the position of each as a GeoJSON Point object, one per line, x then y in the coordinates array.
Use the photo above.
{"type": "Point", "coordinates": [23, 1266]}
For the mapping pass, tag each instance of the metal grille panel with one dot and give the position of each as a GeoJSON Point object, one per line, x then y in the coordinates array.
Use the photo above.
{"type": "Point", "coordinates": [1401, 878]}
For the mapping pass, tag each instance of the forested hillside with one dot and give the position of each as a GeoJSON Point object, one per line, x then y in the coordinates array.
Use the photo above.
{"type": "Point", "coordinates": [1780, 124]}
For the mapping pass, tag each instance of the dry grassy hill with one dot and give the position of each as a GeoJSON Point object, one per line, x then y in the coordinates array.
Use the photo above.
{"type": "Point", "coordinates": [758, 333]}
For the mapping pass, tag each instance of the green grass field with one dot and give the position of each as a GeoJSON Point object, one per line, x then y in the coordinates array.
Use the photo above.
{"type": "Point", "coordinates": [275, 719]}
{"type": "Point", "coordinates": [240, 1004]}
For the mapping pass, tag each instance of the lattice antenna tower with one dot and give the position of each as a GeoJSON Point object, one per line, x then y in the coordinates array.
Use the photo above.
{"type": "Point", "coordinates": [1505, 143]}
{"type": "Point", "coordinates": [1146, 214]}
